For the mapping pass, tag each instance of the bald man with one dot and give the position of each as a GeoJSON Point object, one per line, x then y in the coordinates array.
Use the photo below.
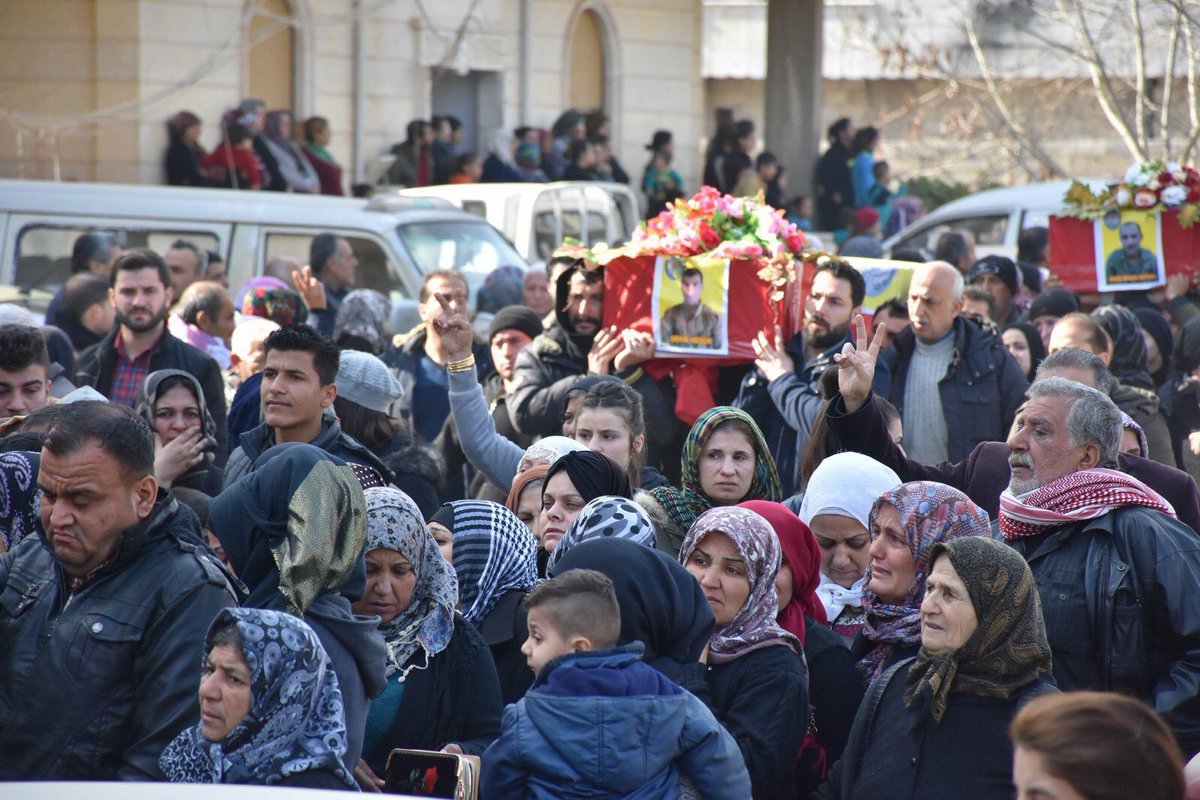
{"type": "Point", "coordinates": [953, 381]}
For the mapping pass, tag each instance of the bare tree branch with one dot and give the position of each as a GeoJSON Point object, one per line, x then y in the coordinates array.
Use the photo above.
{"type": "Point", "coordinates": [1164, 113]}
{"type": "Point", "coordinates": [1139, 48]}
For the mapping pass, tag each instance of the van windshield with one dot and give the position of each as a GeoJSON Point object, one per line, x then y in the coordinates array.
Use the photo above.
{"type": "Point", "coordinates": [474, 248]}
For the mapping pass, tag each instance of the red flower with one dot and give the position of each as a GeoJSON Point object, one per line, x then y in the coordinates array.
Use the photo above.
{"type": "Point", "coordinates": [796, 242]}
{"type": "Point", "coordinates": [708, 237]}
{"type": "Point", "coordinates": [1165, 179]}
{"type": "Point", "coordinates": [1194, 195]}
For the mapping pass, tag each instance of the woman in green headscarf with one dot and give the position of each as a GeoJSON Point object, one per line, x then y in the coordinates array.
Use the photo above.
{"type": "Point", "coordinates": [983, 655]}
{"type": "Point", "coordinates": [725, 462]}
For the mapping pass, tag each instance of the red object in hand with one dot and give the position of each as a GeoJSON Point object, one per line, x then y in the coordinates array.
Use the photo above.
{"type": "Point", "coordinates": [431, 779]}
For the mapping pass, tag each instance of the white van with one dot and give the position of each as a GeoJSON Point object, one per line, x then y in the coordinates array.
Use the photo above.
{"type": "Point", "coordinates": [397, 239]}
{"type": "Point", "coordinates": [536, 217]}
{"type": "Point", "coordinates": [994, 217]}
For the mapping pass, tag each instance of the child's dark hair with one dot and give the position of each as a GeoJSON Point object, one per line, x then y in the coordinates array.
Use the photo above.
{"type": "Point", "coordinates": [580, 602]}
{"type": "Point", "coordinates": [326, 355]}
{"type": "Point", "coordinates": [880, 169]}
{"type": "Point", "coordinates": [619, 397]}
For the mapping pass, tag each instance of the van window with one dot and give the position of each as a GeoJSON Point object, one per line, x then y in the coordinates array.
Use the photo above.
{"type": "Point", "coordinates": [985, 231]}
{"type": "Point", "coordinates": [597, 227]}
{"type": "Point", "coordinates": [545, 227]}
{"type": "Point", "coordinates": [476, 207]}
{"type": "Point", "coordinates": [474, 248]}
{"type": "Point", "coordinates": [372, 260]}
{"type": "Point", "coordinates": [43, 257]}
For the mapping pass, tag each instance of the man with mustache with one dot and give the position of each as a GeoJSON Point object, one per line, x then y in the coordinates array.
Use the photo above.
{"type": "Point", "coordinates": [577, 344]}
{"type": "Point", "coordinates": [784, 392]}
{"type": "Point", "coordinates": [140, 291]}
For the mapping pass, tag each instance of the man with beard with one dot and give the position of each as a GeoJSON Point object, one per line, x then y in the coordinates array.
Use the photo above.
{"type": "Point", "coordinates": [1117, 572]}
{"type": "Point", "coordinates": [576, 345]}
{"type": "Point", "coordinates": [784, 393]}
{"type": "Point", "coordinates": [140, 343]}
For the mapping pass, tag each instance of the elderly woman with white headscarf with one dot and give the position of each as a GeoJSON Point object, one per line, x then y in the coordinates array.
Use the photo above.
{"type": "Point", "coordinates": [836, 507]}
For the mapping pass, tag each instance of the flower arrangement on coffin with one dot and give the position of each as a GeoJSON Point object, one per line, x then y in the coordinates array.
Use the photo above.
{"type": "Point", "coordinates": [719, 225]}
{"type": "Point", "coordinates": [1150, 186]}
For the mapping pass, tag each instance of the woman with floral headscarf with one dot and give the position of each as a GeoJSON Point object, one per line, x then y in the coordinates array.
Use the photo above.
{"type": "Point", "coordinates": [756, 676]}
{"type": "Point", "coordinates": [905, 524]}
{"type": "Point", "coordinates": [725, 461]}
{"type": "Point", "coordinates": [834, 688]}
{"type": "Point", "coordinates": [495, 557]}
{"type": "Point", "coordinates": [442, 690]}
{"type": "Point", "coordinates": [271, 709]}
{"type": "Point", "coordinates": [19, 496]}
{"type": "Point", "coordinates": [362, 322]}
{"type": "Point", "coordinates": [941, 719]}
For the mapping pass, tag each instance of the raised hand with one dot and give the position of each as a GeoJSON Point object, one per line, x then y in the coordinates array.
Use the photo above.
{"type": "Point", "coordinates": [311, 290]}
{"type": "Point", "coordinates": [637, 348]}
{"type": "Point", "coordinates": [605, 348]}
{"type": "Point", "coordinates": [453, 329]}
{"type": "Point", "coordinates": [773, 361]}
{"type": "Point", "coordinates": [856, 365]}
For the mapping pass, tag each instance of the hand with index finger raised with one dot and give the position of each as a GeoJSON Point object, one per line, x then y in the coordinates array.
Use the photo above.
{"type": "Point", "coordinates": [454, 330]}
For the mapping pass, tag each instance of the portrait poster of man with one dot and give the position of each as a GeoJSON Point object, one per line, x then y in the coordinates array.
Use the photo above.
{"type": "Point", "coordinates": [690, 302]}
{"type": "Point", "coordinates": [1129, 251]}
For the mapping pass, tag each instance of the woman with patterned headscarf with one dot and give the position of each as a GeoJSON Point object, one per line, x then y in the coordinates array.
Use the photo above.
{"type": "Point", "coordinates": [905, 524]}
{"type": "Point", "coordinates": [725, 461]}
{"type": "Point", "coordinates": [362, 322]}
{"type": "Point", "coordinates": [442, 689]}
{"type": "Point", "coordinates": [756, 674]}
{"type": "Point", "coordinates": [983, 655]}
{"type": "Point", "coordinates": [271, 708]}
{"type": "Point", "coordinates": [616, 517]}
{"type": "Point", "coordinates": [19, 495]}
{"type": "Point", "coordinates": [495, 557]}
{"type": "Point", "coordinates": [294, 530]}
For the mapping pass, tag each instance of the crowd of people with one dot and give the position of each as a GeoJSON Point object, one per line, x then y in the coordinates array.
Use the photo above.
{"type": "Point", "coordinates": [253, 535]}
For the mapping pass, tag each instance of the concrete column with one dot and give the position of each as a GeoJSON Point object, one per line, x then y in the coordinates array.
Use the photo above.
{"type": "Point", "coordinates": [793, 98]}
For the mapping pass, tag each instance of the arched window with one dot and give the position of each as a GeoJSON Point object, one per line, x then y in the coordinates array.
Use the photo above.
{"type": "Point", "coordinates": [269, 66]}
{"type": "Point", "coordinates": [590, 61]}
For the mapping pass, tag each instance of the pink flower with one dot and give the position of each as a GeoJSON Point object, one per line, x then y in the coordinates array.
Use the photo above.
{"type": "Point", "coordinates": [1145, 198]}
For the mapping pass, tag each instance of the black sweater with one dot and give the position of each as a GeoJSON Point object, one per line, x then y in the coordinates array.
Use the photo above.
{"type": "Point", "coordinates": [455, 699]}
{"type": "Point", "coordinates": [835, 691]}
{"type": "Point", "coordinates": [505, 630]}
{"type": "Point", "coordinates": [762, 700]}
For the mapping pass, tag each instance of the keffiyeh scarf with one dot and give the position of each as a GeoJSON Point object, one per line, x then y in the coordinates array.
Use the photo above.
{"type": "Point", "coordinates": [1082, 495]}
{"type": "Point", "coordinates": [394, 522]}
{"type": "Point", "coordinates": [493, 553]}
{"type": "Point", "coordinates": [753, 627]}
{"type": "Point", "coordinates": [296, 721]}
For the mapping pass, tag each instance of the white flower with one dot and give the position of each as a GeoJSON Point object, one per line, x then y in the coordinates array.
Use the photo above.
{"type": "Point", "coordinates": [1173, 195]}
{"type": "Point", "coordinates": [1135, 175]}
{"type": "Point", "coordinates": [1123, 197]}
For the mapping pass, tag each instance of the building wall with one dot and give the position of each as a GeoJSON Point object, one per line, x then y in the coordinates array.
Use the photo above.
{"type": "Point", "coordinates": [86, 85]}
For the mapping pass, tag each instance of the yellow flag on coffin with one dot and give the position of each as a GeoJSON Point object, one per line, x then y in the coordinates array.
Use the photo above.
{"type": "Point", "coordinates": [885, 279]}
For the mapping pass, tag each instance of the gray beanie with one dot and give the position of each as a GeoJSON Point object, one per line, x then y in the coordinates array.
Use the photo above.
{"type": "Point", "coordinates": [363, 379]}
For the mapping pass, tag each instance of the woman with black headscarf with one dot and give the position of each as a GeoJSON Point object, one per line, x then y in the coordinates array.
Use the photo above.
{"type": "Point", "coordinates": [1181, 398]}
{"type": "Point", "coordinates": [574, 480]}
{"type": "Point", "coordinates": [294, 530]}
{"type": "Point", "coordinates": [185, 434]}
{"type": "Point", "coordinates": [662, 605]}
{"type": "Point", "coordinates": [1160, 343]}
{"type": "Point", "coordinates": [983, 655]}
{"type": "Point", "coordinates": [1024, 344]}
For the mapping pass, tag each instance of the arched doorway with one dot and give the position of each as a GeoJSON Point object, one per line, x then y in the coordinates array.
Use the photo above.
{"type": "Point", "coordinates": [588, 78]}
{"type": "Point", "coordinates": [270, 47]}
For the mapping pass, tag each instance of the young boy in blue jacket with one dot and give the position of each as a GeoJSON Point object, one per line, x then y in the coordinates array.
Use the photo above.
{"type": "Point", "coordinates": [599, 722]}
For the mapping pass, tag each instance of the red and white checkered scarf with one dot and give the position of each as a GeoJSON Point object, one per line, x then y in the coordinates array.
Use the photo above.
{"type": "Point", "coordinates": [1086, 494]}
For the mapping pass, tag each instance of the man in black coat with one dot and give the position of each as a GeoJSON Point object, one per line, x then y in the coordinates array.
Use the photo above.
{"type": "Point", "coordinates": [103, 616]}
{"type": "Point", "coordinates": [141, 344]}
{"type": "Point", "coordinates": [859, 425]}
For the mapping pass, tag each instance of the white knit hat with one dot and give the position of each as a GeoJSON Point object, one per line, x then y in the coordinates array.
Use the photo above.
{"type": "Point", "coordinates": [362, 378]}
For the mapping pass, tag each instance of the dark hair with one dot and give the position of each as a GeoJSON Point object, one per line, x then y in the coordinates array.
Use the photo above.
{"type": "Point", "coordinates": [888, 411]}
{"type": "Point", "coordinates": [843, 271]}
{"type": "Point", "coordinates": [1032, 244]}
{"type": "Point", "coordinates": [138, 259]}
{"type": "Point", "coordinates": [201, 296]}
{"type": "Point", "coordinates": [312, 126]}
{"type": "Point", "coordinates": [194, 499]}
{"type": "Point", "coordinates": [1097, 337]}
{"type": "Point", "coordinates": [178, 124]}
{"type": "Point", "coordinates": [979, 294]}
{"type": "Point", "coordinates": [593, 122]}
{"type": "Point", "coordinates": [880, 169]}
{"type": "Point", "coordinates": [839, 125]}
{"type": "Point", "coordinates": [118, 430]}
{"type": "Point", "coordinates": [692, 272]}
{"type": "Point", "coordinates": [911, 254]}
{"type": "Point", "coordinates": [1073, 357]}
{"type": "Point", "coordinates": [864, 139]}
{"type": "Point", "coordinates": [324, 247]}
{"type": "Point", "coordinates": [42, 420]}
{"type": "Point", "coordinates": [372, 428]}
{"type": "Point", "coordinates": [415, 129]}
{"type": "Point", "coordinates": [1105, 746]}
{"type": "Point", "coordinates": [580, 602]}
{"type": "Point", "coordinates": [22, 441]}
{"type": "Point", "coordinates": [450, 274]}
{"type": "Point", "coordinates": [522, 131]}
{"type": "Point", "coordinates": [226, 632]}
{"type": "Point", "coordinates": [201, 255]}
{"type": "Point", "coordinates": [455, 122]}
{"type": "Point", "coordinates": [952, 246]}
{"type": "Point", "coordinates": [620, 397]}
{"type": "Point", "coordinates": [82, 291]}
{"type": "Point", "coordinates": [734, 424]}
{"type": "Point", "coordinates": [237, 133]}
{"type": "Point", "coordinates": [765, 159]}
{"type": "Point", "coordinates": [299, 336]}
{"type": "Point", "coordinates": [576, 149]}
{"type": "Point", "coordinates": [91, 246]}
{"type": "Point", "coordinates": [22, 346]}
{"type": "Point", "coordinates": [895, 307]}
{"type": "Point", "coordinates": [461, 161]}
{"type": "Point", "coordinates": [743, 128]}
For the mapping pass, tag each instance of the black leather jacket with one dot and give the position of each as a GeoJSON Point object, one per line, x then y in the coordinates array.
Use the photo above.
{"type": "Point", "coordinates": [95, 684]}
{"type": "Point", "coordinates": [1141, 584]}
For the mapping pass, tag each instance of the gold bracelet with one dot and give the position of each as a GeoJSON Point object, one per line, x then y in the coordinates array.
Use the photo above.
{"type": "Point", "coordinates": [465, 365]}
